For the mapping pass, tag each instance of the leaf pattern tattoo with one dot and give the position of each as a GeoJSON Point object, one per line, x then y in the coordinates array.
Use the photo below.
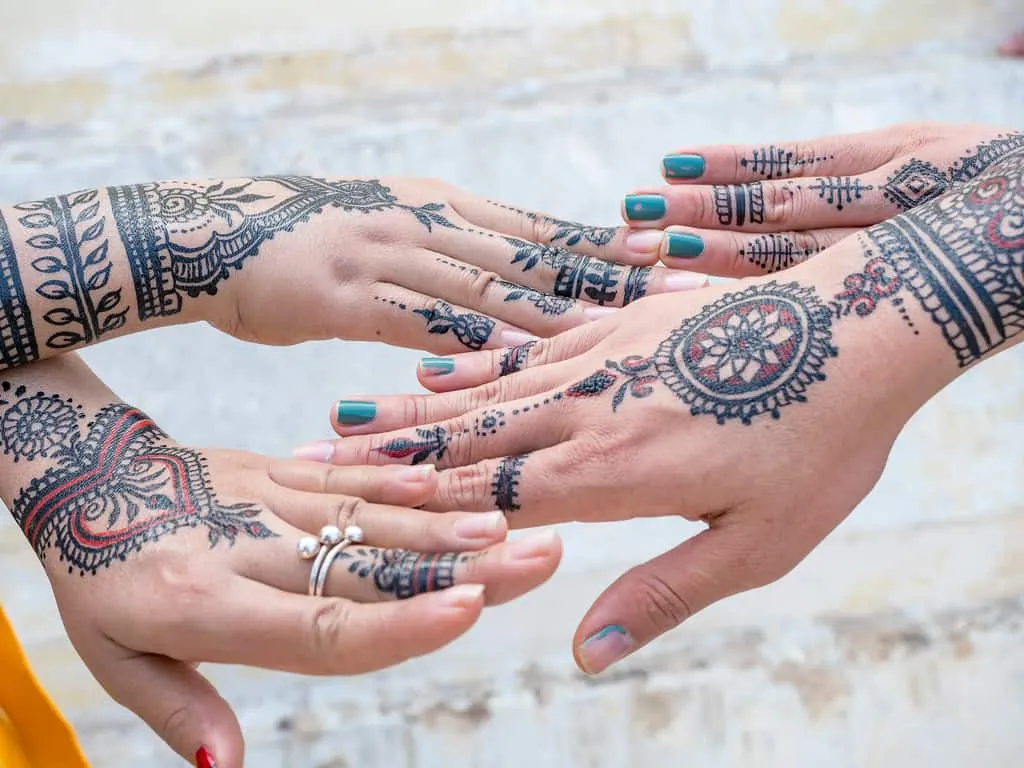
{"type": "Point", "coordinates": [113, 484]}
{"type": "Point", "coordinates": [429, 443]}
{"type": "Point", "coordinates": [472, 330]}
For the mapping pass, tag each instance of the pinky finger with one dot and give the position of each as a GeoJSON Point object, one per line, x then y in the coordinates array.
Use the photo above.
{"type": "Point", "coordinates": [731, 254]}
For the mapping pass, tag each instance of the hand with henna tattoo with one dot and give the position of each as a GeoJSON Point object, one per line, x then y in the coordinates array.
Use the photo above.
{"type": "Point", "coordinates": [745, 210]}
{"type": "Point", "coordinates": [765, 409]}
{"type": "Point", "coordinates": [162, 556]}
{"type": "Point", "coordinates": [286, 259]}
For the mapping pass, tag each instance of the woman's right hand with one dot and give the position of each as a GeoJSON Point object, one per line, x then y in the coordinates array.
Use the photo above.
{"type": "Point", "coordinates": [163, 556]}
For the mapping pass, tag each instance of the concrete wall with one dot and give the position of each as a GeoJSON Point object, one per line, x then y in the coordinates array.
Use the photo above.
{"type": "Point", "coordinates": [900, 642]}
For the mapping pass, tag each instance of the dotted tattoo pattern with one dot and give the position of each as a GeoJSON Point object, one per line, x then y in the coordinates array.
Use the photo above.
{"type": "Point", "coordinates": [774, 162]}
{"type": "Point", "coordinates": [774, 252]}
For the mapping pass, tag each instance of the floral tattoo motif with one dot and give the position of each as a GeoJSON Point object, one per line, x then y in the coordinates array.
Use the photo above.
{"type": "Point", "coordinates": [471, 330]}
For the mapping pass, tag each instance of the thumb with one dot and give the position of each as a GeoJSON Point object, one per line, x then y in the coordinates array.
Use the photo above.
{"type": "Point", "coordinates": [661, 594]}
{"type": "Point", "coordinates": [181, 705]}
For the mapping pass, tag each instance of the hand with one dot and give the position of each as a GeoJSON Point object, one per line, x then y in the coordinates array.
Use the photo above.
{"type": "Point", "coordinates": [163, 556]}
{"type": "Point", "coordinates": [737, 210]}
{"type": "Point", "coordinates": [765, 410]}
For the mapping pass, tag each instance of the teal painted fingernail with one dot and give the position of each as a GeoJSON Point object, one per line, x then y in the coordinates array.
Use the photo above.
{"type": "Point", "coordinates": [682, 166]}
{"type": "Point", "coordinates": [354, 412]}
{"type": "Point", "coordinates": [645, 207]}
{"type": "Point", "coordinates": [683, 245]}
{"type": "Point", "coordinates": [605, 647]}
{"type": "Point", "coordinates": [437, 366]}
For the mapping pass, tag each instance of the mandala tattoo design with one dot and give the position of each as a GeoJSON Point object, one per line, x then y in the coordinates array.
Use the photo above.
{"type": "Point", "coordinates": [401, 573]}
{"type": "Point", "coordinates": [489, 422]}
{"type": "Point", "coordinates": [505, 485]}
{"type": "Point", "coordinates": [71, 240]}
{"type": "Point", "coordinates": [839, 191]}
{"type": "Point", "coordinates": [748, 353]}
{"type": "Point", "coordinates": [739, 204]}
{"type": "Point", "coordinates": [962, 257]}
{"type": "Point", "coordinates": [777, 162]}
{"type": "Point", "coordinates": [514, 359]}
{"type": "Point", "coordinates": [472, 330]}
{"type": "Point", "coordinates": [183, 238]}
{"type": "Point", "coordinates": [774, 253]}
{"type": "Point", "coordinates": [113, 485]}
{"type": "Point", "coordinates": [431, 442]}
{"type": "Point", "coordinates": [17, 336]}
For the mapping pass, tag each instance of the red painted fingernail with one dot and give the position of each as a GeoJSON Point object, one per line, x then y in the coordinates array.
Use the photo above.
{"type": "Point", "coordinates": [204, 759]}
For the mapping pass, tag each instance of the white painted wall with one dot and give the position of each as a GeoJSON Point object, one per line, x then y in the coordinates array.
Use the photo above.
{"type": "Point", "coordinates": [900, 642]}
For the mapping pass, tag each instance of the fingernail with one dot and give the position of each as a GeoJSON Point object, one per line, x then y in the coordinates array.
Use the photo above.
{"type": "Point", "coordinates": [604, 648]}
{"type": "Point", "coordinates": [355, 412]}
{"type": "Point", "coordinates": [682, 166]}
{"type": "Point", "coordinates": [645, 207]}
{"type": "Point", "coordinates": [644, 241]}
{"type": "Point", "coordinates": [437, 366]}
{"type": "Point", "coordinates": [683, 281]}
{"type": "Point", "coordinates": [510, 338]}
{"type": "Point", "coordinates": [320, 451]}
{"type": "Point", "coordinates": [204, 759]}
{"type": "Point", "coordinates": [462, 595]}
{"type": "Point", "coordinates": [596, 313]}
{"type": "Point", "coordinates": [416, 474]}
{"type": "Point", "coordinates": [532, 547]}
{"type": "Point", "coordinates": [485, 526]}
{"type": "Point", "coordinates": [683, 245]}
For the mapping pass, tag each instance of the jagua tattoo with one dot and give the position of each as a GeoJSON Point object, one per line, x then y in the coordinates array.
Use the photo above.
{"type": "Point", "coordinates": [17, 335]}
{"type": "Point", "coordinates": [505, 485]}
{"type": "Point", "coordinates": [470, 329]}
{"type": "Point", "coordinates": [113, 484]}
{"type": "Point", "coordinates": [429, 444]}
{"type": "Point", "coordinates": [739, 204]}
{"type": "Point", "coordinates": [546, 303]}
{"type": "Point", "coordinates": [401, 573]}
{"type": "Point", "coordinates": [513, 359]}
{"type": "Point", "coordinates": [569, 232]}
{"type": "Point", "coordinates": [778, 162]}
{"type": "Point", "coordinates": [774, 253]}
{"type": "Point", "coordinates": [839, 191]}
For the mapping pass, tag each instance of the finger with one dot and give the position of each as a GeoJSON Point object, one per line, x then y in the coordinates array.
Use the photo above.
{"type": "Point", "coordinates": [507, 428]}
{"type": "Point", "coordinates": [386, 526]}
{"type": "Point", "coordinates": [177, 702]}
{"type": "Point", "coordinates": [845, 155]}
{"type": "Point", "coordinates": [245, 622]}
{"type": "Point", "coordinates": [437, 326]}
{"type": "Point", "coordinates": [734, 254]}
{"type": "Point", "coordinates": [657, 596]}
{"type": "Point", "coordinates": [472, 369]}
{"type": "Point", "coordinates": [606, 243]}
{"type": "Point", "coordinates": [555, 271]}
{"type": "Point", "coordinates": [822, 202]}
{"type": "Point", "coordinates": [401, 486]}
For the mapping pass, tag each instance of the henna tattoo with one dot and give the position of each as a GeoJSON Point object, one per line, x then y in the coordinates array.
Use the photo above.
{"type": "Point", "coordinates": [471, 330]}
{"type": "Point", "coordinates": [514, 359]}
{"type": "Point", "coordinates": [571, 232]}
{"type": "Point", "coordinates": [636, 284]}
{"type": "Point", "coordinates": [73, 242]}
{"type": "Point", "coordinates": [505, 485]}
{"type": "Point", "coordinates": [429, 442]}
{"type": "Point", "coordinates": [984, 155]}
{"type": "Point", "coordinates": [546, 303]}
{"type": "Point", "coordinates": [17, 335]}
{"type": "Point", "coordinates": [489, 422]}
{"type": "Point", "coordinates": [839, 191]}
{"type": "Point", "coordinates": [774, 253]}
{"type": "Point", "coordinates": [184, 238]}
{"type": "Point", "coordinates": [401, 573]}
{"type": "Point", "coordinates": [114, 484]}
{"type": "Point", "coordinates": [634, 376]}
{"type": "Point", "coordinates": [776, 162]}
{"type": "Point", "coordinates": [738, 204]}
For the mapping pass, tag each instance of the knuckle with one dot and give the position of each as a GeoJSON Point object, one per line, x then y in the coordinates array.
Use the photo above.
{"type": "Point", "coordinates": [782, 203]}
{"type": "Point", "coordinates": [330, 627]}
{"type": "Point", "coordinates": [487, 394]}
{"type": "Point", "coordinates": [465, 487]}
{"type": "Point", "coordinates": [416, 410]}
{"type": "Point", "coordinates": [176, 726]}
{"type": "Point", "coordinates": [662, 603]}
{"type": "Point", "coordinates": [347, 510]}
{"type": "Point", "coordinates": [541, 229]}
{"type": "Point", "coordinates": [808, 244]}
{"type": "Point", "coordinates": [480, 283]}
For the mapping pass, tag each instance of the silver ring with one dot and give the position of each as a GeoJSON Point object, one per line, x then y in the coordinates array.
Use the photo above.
{"type": "Point", "coordinates": [324, 551]}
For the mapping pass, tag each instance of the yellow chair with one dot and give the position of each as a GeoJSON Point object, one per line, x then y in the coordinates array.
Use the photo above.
{"type": "Point", "coordinates": [33, 733]}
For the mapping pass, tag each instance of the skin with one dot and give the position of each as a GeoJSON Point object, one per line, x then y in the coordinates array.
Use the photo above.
{"type": "Point", "coordinates": [230, 595]}
{"type": "Point", "coordinates": [746, 432]}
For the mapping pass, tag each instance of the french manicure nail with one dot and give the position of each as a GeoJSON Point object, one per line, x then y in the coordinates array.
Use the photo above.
{"type": "Point", "coordinates": [605, 647]}
{"type": "Point", "coordinates": [320, 451]}
{"type": "Point", "coordinates": [684, 281]}
{"type": "Point", "coordinates": [480, 526]}
{"type": "Point", "coordinates": [682, 166]}
{"type": "Point", "coordinates": [463, 595]}
{"type": "Point", "coordinates": [510, 338]}
{"type": "Point", "coordinates": [204, 759]}
{"type": "Point", "coordinates": [532, 547]}
{"type": "Point", "coordinates": [644, 240]}
{"type": "Point", "coordinates": [683, 245]}
{"type": "Point", "coordinates": [596, 313]}
{"type": "Point", "coordinates": [352, 413]}
{"type": "Point", "coordinates": [645, 207]}
{"type": "Point", "coordinates": [416, 474]}
{"type": "Point", "coordinates": [437, 366]}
